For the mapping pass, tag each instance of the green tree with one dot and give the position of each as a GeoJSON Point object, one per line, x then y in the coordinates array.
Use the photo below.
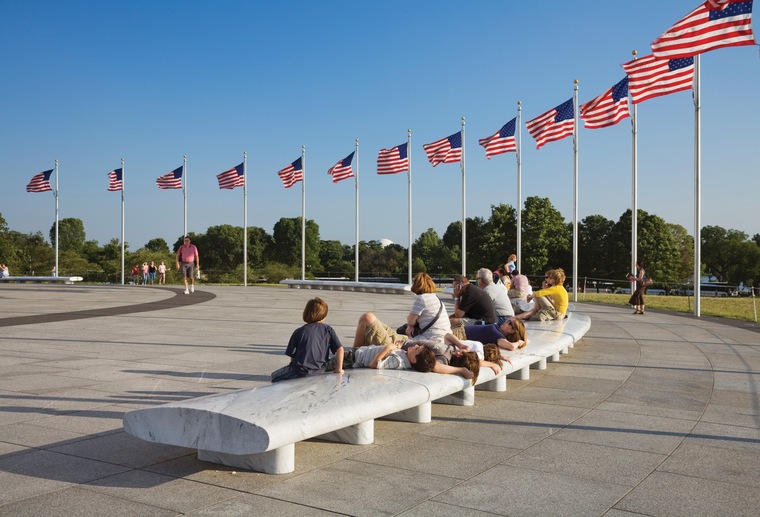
{"type": "Point", "coordinates": [546, 239]}
{"type": "Point", "coordinates": [721, 251]}
{"type": "Point", "coordinates": [287, 242]}
{"type": "Point", "coordinates": [258, 243]}
{"type": "Point", "coordinates": [71, 234]}
{"type": "Point", "coordinates": [593, 247]}
{"type": "Point", "coordinates": [685, 247]}
{"type": "Point", "coordinates": [501, 236]}
{"type": "Point", "coordinates": [332, 256]}
{"type": "Point", "coordinates": [157, 245]}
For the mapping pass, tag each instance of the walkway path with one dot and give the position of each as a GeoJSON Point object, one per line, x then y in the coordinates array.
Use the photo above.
{"type": "Point", "coordinates": [652, 415]}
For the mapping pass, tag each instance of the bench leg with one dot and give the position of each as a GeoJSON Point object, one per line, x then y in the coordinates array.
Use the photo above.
{"type": "Point", "coordinates": [522, 374]}
{"type": "Point", "coordinates": [554, 358]}
{"type": "Point", "coordinates": [540, 364]}
{"type": "Point", "coordinates": [466, 397]}
{"type": "Point", "coordinates": [422, 414]}
{"type": "Point", "coordinates": [565, 351]}
{"type": "Point", "coordinates": [498, 384]}
{"type": "Point", "coordinates": [278, 461]}
{"type": "Point", "coordinates": [362, 433]}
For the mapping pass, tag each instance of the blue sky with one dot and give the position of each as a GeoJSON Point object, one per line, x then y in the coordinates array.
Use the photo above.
{"type": "Point", "coordinates": [89, 82]}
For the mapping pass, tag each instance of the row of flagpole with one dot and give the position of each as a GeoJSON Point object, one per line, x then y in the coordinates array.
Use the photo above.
{"type": "Point", "coordinates": [673, 66]}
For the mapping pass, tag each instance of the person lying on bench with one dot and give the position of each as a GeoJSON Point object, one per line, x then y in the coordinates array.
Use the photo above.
{"type": "Point", "coordinates": [510, 335]}
{"type": "Point", "coordinates": [310, 345]}
{"type": "Point", "coordinates": [488, 355]}
{"type": "Point", "coordinates": [372, 331]}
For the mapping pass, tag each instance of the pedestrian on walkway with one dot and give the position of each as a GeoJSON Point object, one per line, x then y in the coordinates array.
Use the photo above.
{"type": "Point", "coordinates": [187, 257]}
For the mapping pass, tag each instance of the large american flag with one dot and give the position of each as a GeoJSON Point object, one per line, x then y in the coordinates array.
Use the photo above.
{"type": "Point", "coordinates": [292, 174]}
{"type": "Point", "coordinates": [608, 109]}
{"type": "Point", "coordinates": [445, 150]}
{"type": "Point", "coordinates": [391, 161]}
{"type": "Point", "coordinates": [170, 180]}
{"type": "Point", "coordinates": [115, 181]}
{"type": "Point", "coordinates": [650, 77]}
{"type": "Point", "coordinates": [714, 24]}
{"type": "Point", "coordinates": [235, 177]}
{"type": "Point", "coordinates": [342, 170]}
{"type": "Point", "coordinates": [503, 141]}
{"type": "Point", "coordinates": [555, 124]}
{"type": "Point", "coordinates": [40, 182]}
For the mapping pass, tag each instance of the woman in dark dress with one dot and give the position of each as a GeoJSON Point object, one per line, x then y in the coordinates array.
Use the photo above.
{"type": "Point", "coordinates": [637, 298]}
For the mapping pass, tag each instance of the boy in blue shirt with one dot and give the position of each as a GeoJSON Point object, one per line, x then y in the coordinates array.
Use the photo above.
{"type": "Point", "coordinates": [310, 345]}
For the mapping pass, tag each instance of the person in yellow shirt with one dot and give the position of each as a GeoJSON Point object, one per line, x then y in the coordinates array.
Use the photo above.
{"type": "Point", "coordinates": [551, 300]}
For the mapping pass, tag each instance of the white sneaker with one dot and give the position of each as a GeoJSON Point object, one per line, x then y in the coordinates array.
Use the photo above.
{"type": "Point", "coordinates": [192, 288]}
{"type": "Point", "coordinates": [187, 292]}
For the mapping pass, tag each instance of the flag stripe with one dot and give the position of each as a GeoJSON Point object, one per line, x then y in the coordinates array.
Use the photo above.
{"type": "Point", "coordinates": [291, 174]}
{"type": "Point", "coordinates": [650, 77]}
{"type": "Point", "coordinates": [445, 150]}
{"type": "Point", "coordinates": [115, 181]}
{"type": "Point", "coordinates": [555, 124]}
{"type": "Point", "coordinates": [171, 180]}
{"type": "Point", "coordinates": [710, 26]}
{"type": "Point", "coordinates": [40, 182]}
{"type": "Point", "coordinates": [235, 177]}
{"type": "Point", "coordinates": [342, 170]}
{"type": "Point", "coordinates": [394, 160]}
{"type": "Point", "coordinates": [503, 141]}
{"type": "Point", "coordinates": [608, 109]}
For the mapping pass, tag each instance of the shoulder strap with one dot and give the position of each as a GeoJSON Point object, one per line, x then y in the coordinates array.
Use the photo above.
{"type": "Point", "coordinates": [424, 329]}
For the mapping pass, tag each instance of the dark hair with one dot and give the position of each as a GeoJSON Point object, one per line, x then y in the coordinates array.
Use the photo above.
{"type": "Point", "coordinates": [425, 360]}
{"type": "Point", "coordinates": [467, 360]}
{"type": "Point", "coordinates": [315, 310]}
{"type": "Point", "coordinates": [491, 353]}
{"type": "Point", "coordinates": [515, 272]}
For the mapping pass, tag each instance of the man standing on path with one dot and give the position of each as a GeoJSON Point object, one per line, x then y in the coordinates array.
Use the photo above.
{"type": "Point", "coordinates": [187, 256]}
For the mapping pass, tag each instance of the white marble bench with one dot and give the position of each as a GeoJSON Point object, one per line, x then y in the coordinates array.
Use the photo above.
{"type": "Point", "coordinates": [340, 285]}
{"type": "Point", "coordinates": [257, 428]}
{"type": "Point", "coordinates": [41, 279]}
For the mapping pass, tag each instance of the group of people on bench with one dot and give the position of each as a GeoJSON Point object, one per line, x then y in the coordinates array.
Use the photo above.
{"type": "Point", "coordinates": [483, 322]}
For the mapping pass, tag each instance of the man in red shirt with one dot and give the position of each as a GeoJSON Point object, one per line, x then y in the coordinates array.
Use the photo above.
{"type": "Point", "coordinates": [187, 256]}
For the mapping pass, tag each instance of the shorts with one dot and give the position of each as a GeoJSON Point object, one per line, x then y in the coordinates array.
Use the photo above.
{"type": "Point", "coordinates": [546, 314]}
{"type": "Point", "coordinates": [186, 269]}
{"type": "Point", "coordinates": [378, 333]}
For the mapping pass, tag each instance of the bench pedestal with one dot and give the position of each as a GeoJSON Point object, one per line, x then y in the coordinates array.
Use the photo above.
{"type": "Point", "coordinates": [278, 461]}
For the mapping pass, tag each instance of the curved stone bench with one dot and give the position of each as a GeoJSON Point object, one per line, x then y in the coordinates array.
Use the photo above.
{"type": "Point", "coordinates": [41, 279]}
{"type": "Point", "coordinates": [257, 428]}
{"type": "Point", "coordinates": [340, 285]}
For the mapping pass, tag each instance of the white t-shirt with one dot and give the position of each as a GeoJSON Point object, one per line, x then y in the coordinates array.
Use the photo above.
{"type": "Point", "coordinates": [426, 306]}
{"type": "Point", "coordinates": [501, 303]}
{"type": "Point", "coordinates": [474, 346]}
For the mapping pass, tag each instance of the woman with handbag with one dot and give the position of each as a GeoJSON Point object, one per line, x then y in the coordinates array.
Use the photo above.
{"type": "Point", "coordinates": [642, 282]}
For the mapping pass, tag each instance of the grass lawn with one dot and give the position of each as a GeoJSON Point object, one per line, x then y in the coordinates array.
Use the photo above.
{"type": "Point", "coordinates": [742, 308]}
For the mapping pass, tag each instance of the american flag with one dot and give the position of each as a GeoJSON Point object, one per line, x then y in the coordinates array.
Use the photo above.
{"type": "Point", "coordinates": [40, 182]}
{"type": "Point", "coordinates": [608, 109]}
{"type": "Point", "coordinates": [292, 174]}
{"type": "Point", "coordinates": [555, 124]}
{"type": "Point", "coordinates": [714, 24]}
{"type": "Point", "coordinates": [235, 177]}
{"type": "Point", "coordinates": [445, 150]}
{"type": "Point", "coordinates": [342, 170]}
{"type": "Point", "coordinates": [650, 77]}
{"type": "Point", "coordinates": [503, 141]}
{"type": "Point", "coordinates": [391, 161]}
{"type": "Point", "coordinates": [115, 181]}
{"type": "Point", "coordinates": [170, 180]}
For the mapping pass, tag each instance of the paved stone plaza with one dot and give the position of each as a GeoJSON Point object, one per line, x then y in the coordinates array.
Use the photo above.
{"type": "Point", "coordinates": [648, 415]}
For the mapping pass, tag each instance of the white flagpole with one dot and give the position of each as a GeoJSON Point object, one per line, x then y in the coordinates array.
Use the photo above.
{"type": "Point", "coordinates": [464, 208]}
{"type": "Point", "coordinates": [184, 194]}
{"type": "Point", "coordinates": [56, 218]}
{"type": "Point", "coordinates": [303, 213]}
{"type": "Point", "coordinates": [575, 193]}
{"type": "Point", "coordinates": [123, 186]}
{"type": "Point", "coordinates": [519, 185]}
{"type": "Point", "coordinates": [409, 175]}
{"type": "Point", "coordinates": [245, 221]}
{"type": "Point", "coordinates": [356, 177]}
{"type": "Point", "coordinates": [697, 190]}
{"type": "Point", "coordinates": [634, 189]}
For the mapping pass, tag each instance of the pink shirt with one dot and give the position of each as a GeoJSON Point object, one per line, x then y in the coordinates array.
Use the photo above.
{"type": "Point", "coordinates": [187, 253]}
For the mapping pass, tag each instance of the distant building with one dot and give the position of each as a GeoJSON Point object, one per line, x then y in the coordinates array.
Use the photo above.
{"type": "Point", "coordinates": [385, 242]}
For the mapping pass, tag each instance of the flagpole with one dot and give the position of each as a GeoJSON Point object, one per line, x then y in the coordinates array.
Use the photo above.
{"type": "Point", "coordinates": [519, 185]}
{"type": "Point", "coordinates": [409, 161]}
{"type": "Point", "coordinates": [184, 194]}
{"type": "Point", "coordinates": [575, 193]}
{"type": "Point", "coordinates": [464, 208]}
{"type": "Point", "coordinates": [697, 189]}
{"type": "Point", "coordinates": [123, 185]}
{"type": "Point", "coordinates": [245, 220]}
{"type": "Point", "coordinates": [56, 218]}
{"type": "Point", "coordinates": [303, 213]}
{"type": "Point", "coordinates": [356, 177]}
{"type": "Point", "coordinates": [634, 188]}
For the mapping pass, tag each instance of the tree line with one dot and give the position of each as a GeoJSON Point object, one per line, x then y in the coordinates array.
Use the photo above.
{"type": "Point", "coordinates": [604, 250]}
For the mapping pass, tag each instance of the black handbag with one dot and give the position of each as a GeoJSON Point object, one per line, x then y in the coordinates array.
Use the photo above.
{"type": "Point", "coordinates": [420, 330]}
